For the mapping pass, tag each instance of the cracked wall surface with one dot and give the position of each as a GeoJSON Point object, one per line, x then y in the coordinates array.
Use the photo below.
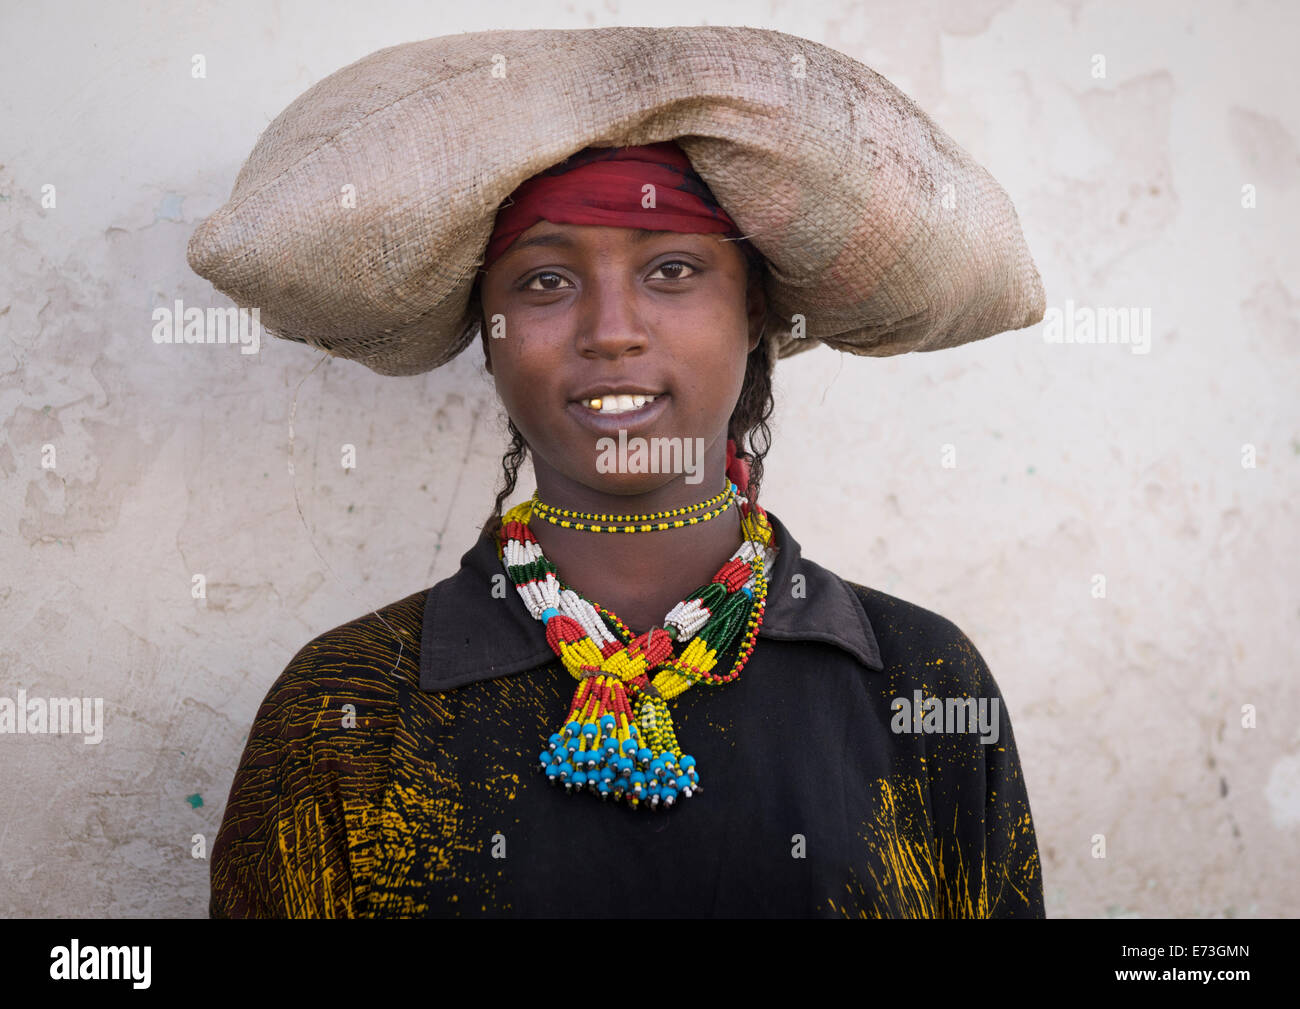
{"type": "Point", "coordinates": [1164, 716]}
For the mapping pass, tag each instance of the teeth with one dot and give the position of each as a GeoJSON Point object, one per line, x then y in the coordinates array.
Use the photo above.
{"type": "Point", "coordinates": [620, 403]}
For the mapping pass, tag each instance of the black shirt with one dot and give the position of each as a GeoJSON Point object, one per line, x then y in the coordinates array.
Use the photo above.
{"type": "Point", "coordinates": [392, 771]}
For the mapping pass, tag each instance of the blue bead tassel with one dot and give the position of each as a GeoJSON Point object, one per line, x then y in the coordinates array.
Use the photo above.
{"type": "Point", "coordinates": [587, 757]}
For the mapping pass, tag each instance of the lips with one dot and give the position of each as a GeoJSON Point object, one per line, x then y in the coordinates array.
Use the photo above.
{"type": "Point", "coordinates": [611, 422]}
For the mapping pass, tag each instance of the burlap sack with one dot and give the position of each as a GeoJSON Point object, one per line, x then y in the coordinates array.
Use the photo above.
{"type": "Point", "coordinates": [881, 234]}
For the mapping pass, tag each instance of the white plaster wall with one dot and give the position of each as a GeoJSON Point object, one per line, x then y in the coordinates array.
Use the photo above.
{"type": "Point", "coordinates": [1072, 461]}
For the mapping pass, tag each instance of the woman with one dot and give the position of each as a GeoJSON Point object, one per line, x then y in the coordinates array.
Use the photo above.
{"type": "Point", "coordinates": [636, 697]}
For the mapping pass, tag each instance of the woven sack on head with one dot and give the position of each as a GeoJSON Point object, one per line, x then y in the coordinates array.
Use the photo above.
{"type": "Point", "coordinates": [359, 220]}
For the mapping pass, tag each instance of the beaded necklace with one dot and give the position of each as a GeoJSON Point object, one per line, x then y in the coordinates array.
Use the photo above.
{"type": "Point", "coordinates": [634, 523]}
{"type": "Point", "coordinates": [607, 746]}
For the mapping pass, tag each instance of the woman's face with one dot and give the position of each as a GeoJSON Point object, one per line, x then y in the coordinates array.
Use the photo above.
{"type": "Point", "coordinates": [574, 310]}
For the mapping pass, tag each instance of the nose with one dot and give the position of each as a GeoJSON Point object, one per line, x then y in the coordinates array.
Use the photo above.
{"type": "Point", "coordinates": [611, 323]}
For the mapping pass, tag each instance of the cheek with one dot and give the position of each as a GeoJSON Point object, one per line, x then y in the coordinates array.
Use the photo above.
{"type": "Point", "coordinates": [732, 344]}
{"type": "Point", "coordinates": [514, 357]}
{"type": "Point", "coordinates": [513, 387]}
{"type": "Point", "coordinates": [711, 382]}
{"type": "Point", "coordinates": [525, 382]}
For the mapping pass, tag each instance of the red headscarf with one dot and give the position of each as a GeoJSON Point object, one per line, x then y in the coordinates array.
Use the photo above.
{"type": "Point", "coordinates": [605, 185]}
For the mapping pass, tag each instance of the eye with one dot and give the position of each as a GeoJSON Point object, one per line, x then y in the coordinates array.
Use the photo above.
{"type": "Point", "coordinates": [527, 285]}
{"type": "Point", "coordinates": [675, 263]}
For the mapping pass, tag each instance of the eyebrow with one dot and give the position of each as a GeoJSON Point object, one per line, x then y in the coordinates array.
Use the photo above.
{"type": "Point", "coordinates": [559, 238]}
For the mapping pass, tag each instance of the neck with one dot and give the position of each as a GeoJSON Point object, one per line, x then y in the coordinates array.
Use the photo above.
{"type": "Point", "coordinates": [639, 576]}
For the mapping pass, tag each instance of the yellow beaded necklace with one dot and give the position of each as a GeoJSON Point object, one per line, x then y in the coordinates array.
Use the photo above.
{"type": "Point", "coordinates": [569, 519]}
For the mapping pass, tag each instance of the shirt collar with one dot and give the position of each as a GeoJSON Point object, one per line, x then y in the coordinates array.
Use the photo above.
{"type": "Point", "coordinates": [475, 627]}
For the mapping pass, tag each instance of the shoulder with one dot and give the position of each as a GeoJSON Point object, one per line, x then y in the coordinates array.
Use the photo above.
{"type": "Point", "coordinates": [367, 660]}
{"type": "Point", "coordinates": [917, 643]}
{"type": "Point", "coordinates": [371, 643]}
